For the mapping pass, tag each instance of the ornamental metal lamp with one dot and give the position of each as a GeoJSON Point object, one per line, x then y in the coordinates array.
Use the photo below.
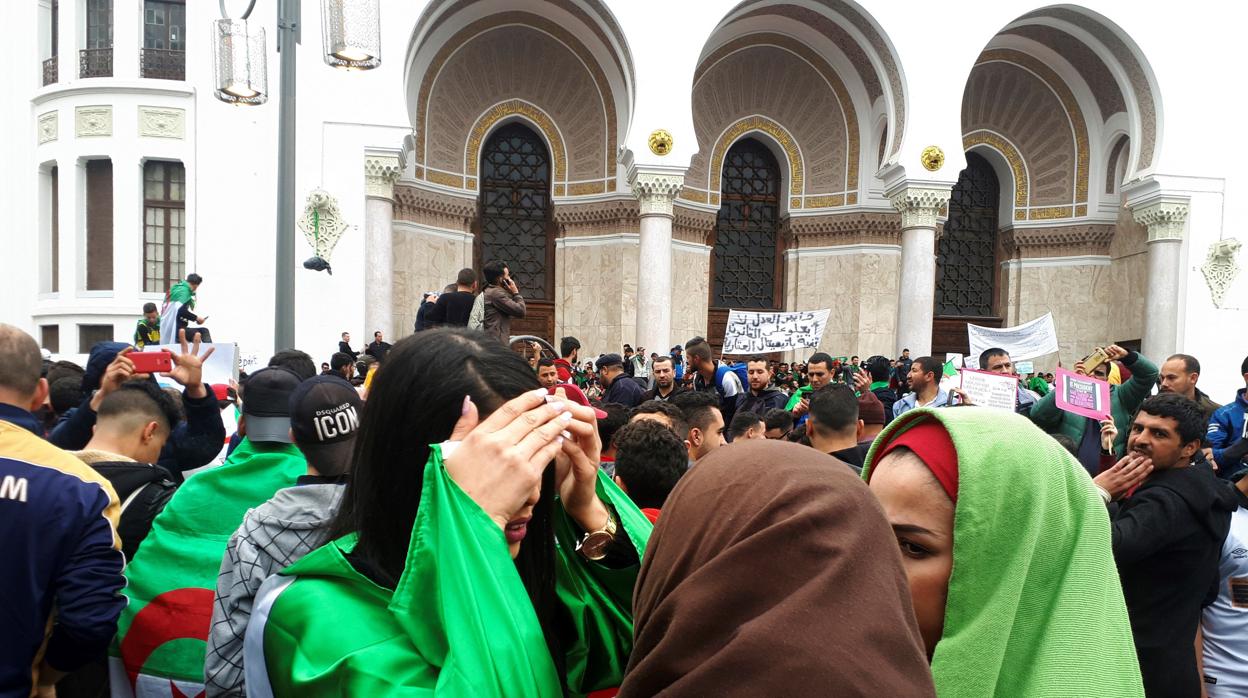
{"type": "Point", "coordinates": [241, 65]}
{"type": "Point", "coordinates": [351, 33]}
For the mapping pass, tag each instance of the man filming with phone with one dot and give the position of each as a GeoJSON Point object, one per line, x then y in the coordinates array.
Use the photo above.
{"type": "Point", "coordinates": [1124, 400]}
{"type": "Point", "coordinates": [502, 301]}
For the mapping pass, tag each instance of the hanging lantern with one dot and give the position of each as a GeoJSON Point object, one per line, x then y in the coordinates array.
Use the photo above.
{"type": "Point", "coordinates": [241, 67]}
{"type": "Point", "coordinates": [351, 30]}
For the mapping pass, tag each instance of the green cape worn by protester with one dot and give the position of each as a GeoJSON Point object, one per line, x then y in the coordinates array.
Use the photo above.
{"type": "Point", "coordinates": [458, 623]}
{"type": "Point", "coordinates": [162, 633]}
{"type": "Point", "coordinates": [1034, 606]}
{"type": "Point", "coordinates": [798, 395]}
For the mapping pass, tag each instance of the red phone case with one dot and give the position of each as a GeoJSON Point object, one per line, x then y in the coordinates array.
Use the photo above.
{"type": "Point", "coordinates": [151, 361]}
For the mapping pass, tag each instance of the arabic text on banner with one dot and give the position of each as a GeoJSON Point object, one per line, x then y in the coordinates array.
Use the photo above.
{"type": "Point", "coordinates": [762, 333]}
{"type": "Point", "coordinates": [1027, 341]}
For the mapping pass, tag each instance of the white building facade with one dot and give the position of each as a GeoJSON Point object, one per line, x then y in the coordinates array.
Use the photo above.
{"type": "Point", "coordinates": [646, 166]}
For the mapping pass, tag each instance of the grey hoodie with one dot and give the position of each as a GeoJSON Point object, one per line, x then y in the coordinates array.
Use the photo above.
{"type": "Point", "coordinates": [273, 536]}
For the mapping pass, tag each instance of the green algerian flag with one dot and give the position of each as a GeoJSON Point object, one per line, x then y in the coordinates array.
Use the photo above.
{"type": "Point", "coordinates": [950, 369]}
{"type": "Point", "coordinates": [179, 294]}
{"type": "Point", "coordinates": [458, 623]}
{"type": "Point", "coordinates": [163, 631]}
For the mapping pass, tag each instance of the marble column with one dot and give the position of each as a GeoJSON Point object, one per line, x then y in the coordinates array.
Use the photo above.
{"type": "Point", "coordinates": [380, 173]}
{"type": "Point", "coordinates": [919, 206]}
{"type": "Point", "coordinates": [655, 192]}
{"type": "Point", "coordinates": [1165, 218]}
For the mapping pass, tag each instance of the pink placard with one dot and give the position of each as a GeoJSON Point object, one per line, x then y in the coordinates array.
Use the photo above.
{"type": "Point", "coordinates": [1082, 395]}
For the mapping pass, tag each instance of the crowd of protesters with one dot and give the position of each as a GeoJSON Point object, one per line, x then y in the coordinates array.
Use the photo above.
{"type": "Point", "coordinates": [457, 515]}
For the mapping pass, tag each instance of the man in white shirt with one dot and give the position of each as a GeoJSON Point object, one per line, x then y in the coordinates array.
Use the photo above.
{"type": "Point", "coordinates": [1224, 628]}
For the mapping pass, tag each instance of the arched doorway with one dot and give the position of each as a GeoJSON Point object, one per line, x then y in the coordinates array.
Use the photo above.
{"type": "Point", "coordinates": [966, 258]}
{"type": "Point", "coordinates": [515, 222]}
{"type": "Point", "coordinates": [745, 269]}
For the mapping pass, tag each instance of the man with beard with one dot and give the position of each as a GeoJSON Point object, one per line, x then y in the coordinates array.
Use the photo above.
{"type": "Point", "coordinates": [664, 377]}
{"type": "Point", "coordinates": [1167, 538]}
{"type": "Point", "coordinates": [761, 396]}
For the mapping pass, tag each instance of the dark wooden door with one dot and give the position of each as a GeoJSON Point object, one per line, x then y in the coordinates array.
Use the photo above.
{"type": "Point", "coordinates": [515, 222]}
{"type": "Point", "coordinates": [745, 261]}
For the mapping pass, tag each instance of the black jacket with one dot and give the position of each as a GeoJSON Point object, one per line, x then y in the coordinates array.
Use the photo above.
{"type": "Point", "coordinates": [346, 349]}
{"type": "Point", "coordinates": [144, 489]}
{"type": "Point", "coordinates": [378, 350]}
{"type": "Point", "coordinates": [625, 391]}
{"type": "Point", "coordinates": [887, 396]}
{"type": "Point", "coordinates": [653, 393]}
{"type": "Point", "coordinates": [771, 398]}
{"type": "Point", "coordinates": [1167, 539]}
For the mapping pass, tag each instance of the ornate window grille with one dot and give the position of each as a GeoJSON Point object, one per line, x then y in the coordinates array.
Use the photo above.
{"type": "Point", "coordinates": [515, 215]}
{"type": "Point", "coordinates": [966, 256]}
{"type": "Point", "coordinates": [745, 255]}
{"type": "Point", "coordinates": [96, 60]}
{"type": "Point", "coordinates": [49, 70]}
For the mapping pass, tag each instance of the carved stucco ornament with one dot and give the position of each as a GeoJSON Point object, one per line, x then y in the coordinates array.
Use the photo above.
{"type": "Point", "coordinates": [322, 226]}
{"type": "Point", "coordinates": [932, 157]}
{"type": "Point", "coordinates": [1220, 268]}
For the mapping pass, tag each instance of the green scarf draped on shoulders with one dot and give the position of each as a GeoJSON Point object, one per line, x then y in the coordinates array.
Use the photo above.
{"type": "Point", "coordinates": [181, 293]}
{"type": "Point", "coordinates": [458, 623]}
{"type": "Point", "coordinates": [1034, 607]}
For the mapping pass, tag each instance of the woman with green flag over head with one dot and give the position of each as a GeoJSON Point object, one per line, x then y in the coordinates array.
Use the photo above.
{"type": "Point", "coordinates": [1006, 545]}
{"type": "Point", "coordinates": [479, 550]}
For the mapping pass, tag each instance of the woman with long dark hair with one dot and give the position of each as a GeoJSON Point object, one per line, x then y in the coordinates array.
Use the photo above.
{"type": "Point", "coordinates": [464, 561]}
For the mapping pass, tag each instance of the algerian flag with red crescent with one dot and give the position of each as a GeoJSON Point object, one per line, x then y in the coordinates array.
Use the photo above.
{"type": "Point", "coordinates": [163, 631]}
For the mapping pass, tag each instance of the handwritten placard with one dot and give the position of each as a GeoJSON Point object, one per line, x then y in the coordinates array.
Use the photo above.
{"type": "Point", "coordinates": [986, 389]}
{"type": "Point", "coordinates": [1082, 395]}
{"type": "Point", "coordinates": [1027, 341]}
{"type": "Point", "coordinates": [761, 333]}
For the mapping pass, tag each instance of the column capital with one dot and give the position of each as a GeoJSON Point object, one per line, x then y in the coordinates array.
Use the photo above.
{"type": "Point", "coordinates": [655, 191]}
{"type": "Point", "coordinates": [920, 204]}
{"type": "Point", "coordinates": [381, 171]}
{"type": "Point", "coordinates": [1164, 216]}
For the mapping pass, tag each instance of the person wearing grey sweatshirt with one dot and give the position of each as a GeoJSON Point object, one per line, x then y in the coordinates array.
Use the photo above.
{"type": "Point", "coordinates": [325, 417]}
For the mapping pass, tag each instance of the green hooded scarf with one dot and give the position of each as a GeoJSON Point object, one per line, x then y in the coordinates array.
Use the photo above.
{"type": "Point", "coordinates": [1034, 607]}
{"type": "Point", "coordinates": [458, 623]}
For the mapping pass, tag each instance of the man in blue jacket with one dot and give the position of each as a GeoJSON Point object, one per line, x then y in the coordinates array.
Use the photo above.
{"type": "Point", "coordinates": [60, 558]}
{"type": "Point", "coordinates": [1228, 436]}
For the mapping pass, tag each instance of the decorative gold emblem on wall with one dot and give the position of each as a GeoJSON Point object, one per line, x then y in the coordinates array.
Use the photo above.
{"type": "Point", "coordinates": [660, 142]}
{"type": "Point", "coordinates": [933, 158]}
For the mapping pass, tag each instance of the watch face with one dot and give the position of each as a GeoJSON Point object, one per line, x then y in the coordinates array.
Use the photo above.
{"type": "Point", "coordinates": [595, 545]}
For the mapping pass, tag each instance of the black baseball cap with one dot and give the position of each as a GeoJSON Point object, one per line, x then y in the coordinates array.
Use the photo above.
{"type": "Point", "coordinates": [325, 417]}
{"type": "Point", "coordinates": [609, 360]}
{"type": "Point", "coordinates": [266, 404]}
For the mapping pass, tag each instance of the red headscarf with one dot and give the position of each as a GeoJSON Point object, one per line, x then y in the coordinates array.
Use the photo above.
{"type": "Point", "coordinates": [931, 443]}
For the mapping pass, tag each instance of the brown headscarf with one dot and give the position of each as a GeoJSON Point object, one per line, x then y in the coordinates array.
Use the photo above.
{"type": "Point", "coordinates": [773, 571]}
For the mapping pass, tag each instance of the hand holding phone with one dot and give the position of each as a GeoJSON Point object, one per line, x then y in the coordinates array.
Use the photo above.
{"type": "Point", "coordinates": [151, 361]}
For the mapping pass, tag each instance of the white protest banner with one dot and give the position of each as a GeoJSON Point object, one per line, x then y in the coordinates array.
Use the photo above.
{"type": "Point", "coordinates": [221, 367]}
{"type": "Point", "coordinates": [1023, 368]}
{"type": "Point", "coordinates": [999, 390]}
{"type": "Point", "coordinates": [761, 333]}
{"type": "Point", "coordinates": [1026, 341]}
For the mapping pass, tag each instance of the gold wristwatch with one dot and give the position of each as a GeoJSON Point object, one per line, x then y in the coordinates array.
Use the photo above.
{"type": "Point", "coordinates": [593, 545]}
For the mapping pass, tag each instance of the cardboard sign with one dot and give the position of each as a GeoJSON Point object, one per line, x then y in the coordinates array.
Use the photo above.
{"type": "Point", "coordinates": [762, 333]}
{"type": "Point", "coordinates": [1024, 368]}
{"type": "Point", "coordinates": [221, 367]}
{"type": "Point", "coordinates": [1082, 395]}
{"type": "Point", "coordinates": [986, 389]}
{"type": "Point", "coordinates": [1027, 341]}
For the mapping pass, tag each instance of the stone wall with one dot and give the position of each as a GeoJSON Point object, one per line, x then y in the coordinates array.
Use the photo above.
{"type": "Point", "coordinates": [691, 269]}
{"type": "Point", "coordinates": [858, 284]}
{"type": "Point", "coordinates": [596, 282]}
{"type": "Point", "coordinates": [425, 259]}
